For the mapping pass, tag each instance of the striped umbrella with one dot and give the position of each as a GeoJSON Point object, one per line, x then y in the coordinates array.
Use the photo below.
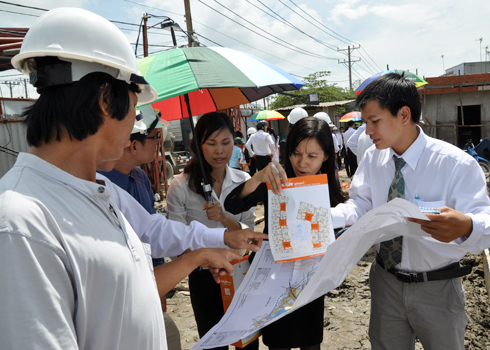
{"type": "Point", "coordinates": [265, 115]}
{"type": "Point", "coordinates": [418, 81]}
{"type": "Point", "coordinates": [196, 80]}
{"type": "Point", "coordinates": [354, 116]}
{"type": "Point", "coordinates": [213, 78]}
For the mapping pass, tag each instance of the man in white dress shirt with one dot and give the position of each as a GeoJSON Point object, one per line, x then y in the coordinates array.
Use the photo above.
{"type": "Point", "coordinates": [261, 146]}
{"type": "Point", "coordinates": [416, 288]}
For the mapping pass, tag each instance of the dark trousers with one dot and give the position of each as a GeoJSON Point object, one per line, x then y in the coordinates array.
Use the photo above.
{"type": "Point", "coordinates": [339, 161]}
{"type": "Point", "coordinates": [252, 169]}
{"type": "Point", "coordinates": [207, 304]}
{"type": "Point", "coordinates": [261, 162]}
{"type": "Point", "coordinates": [350, 163]}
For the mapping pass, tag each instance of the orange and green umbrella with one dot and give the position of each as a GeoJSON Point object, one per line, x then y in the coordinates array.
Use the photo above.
{"type": "Point", "coordinates": [213, 78]}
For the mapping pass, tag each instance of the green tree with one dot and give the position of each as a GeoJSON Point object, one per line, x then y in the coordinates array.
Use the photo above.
{"type": "Point", "coordinates": [315, 83]}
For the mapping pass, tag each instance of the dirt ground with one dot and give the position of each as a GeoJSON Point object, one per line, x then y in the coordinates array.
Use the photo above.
{"type": "Point", "coordinates": [347, 307]}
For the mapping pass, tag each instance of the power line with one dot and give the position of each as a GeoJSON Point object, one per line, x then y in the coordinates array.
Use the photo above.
{"type": "Point", "coordinates": [241, 42]}
{"type": "Point", "coordinates": [19, 13]}
{"type": "Point", "coordinates": [293, 48]}
{"type": "Point", "coordinates": [339, 37]}
{"type": "Point", "coordinates": [285, 21]}
{"type": "Point", "coordinates": [24, 6]}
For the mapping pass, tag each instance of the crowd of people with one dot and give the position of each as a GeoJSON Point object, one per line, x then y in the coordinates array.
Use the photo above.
{"type": "Point", "coordinates": [78, 229]}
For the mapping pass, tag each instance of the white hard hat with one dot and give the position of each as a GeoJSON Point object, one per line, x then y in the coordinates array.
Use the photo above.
{"type": "Point", "coordinates": [251, 131]}
{"type": "Point", "coordinates": [324, 116]}
{"type": "Point", "coordinates": [296, 114]}
{"type": "Point", "coordinates": [139, 125]}
{"type": "Point", "coordinates": [87, 41]}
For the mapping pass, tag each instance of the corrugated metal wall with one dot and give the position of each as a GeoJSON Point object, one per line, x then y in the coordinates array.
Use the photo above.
{"type": "Point", "coordinates": [12, 136]}
{"type": "Point", "coordinates": [12, 132]}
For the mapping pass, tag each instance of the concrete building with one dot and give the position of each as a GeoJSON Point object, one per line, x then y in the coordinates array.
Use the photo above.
{"type": "Point", "coordinates": [457, 108]}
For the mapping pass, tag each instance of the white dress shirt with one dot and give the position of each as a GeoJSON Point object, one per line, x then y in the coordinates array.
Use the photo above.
{"type": "Point", "coordinates": [347, 134]}
{"type": "Point", "coordinates": [336, 146]}
{"type": "Point", "coordinates": [338, 136]}
{"type": "Point", "coordinates": [436, 174]}
{"type": "Point", "coordinates": [166, 237]}
{"type": "Point", "coordinates": [185, 205]}
{"type": "Point", "coordinates": [262, 144]}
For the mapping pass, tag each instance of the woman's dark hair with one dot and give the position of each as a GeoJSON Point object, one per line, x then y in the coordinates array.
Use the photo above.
{"type": "Point", "coordinates": [207, 125]}
{"type": "Point", "coordinates": [75, 108]}
{"type": "Point", "coordinates": [311, 127]}
{"type": "Point", "coordinates": [392, 91]}
{"type": "Point", "coordinates": [273, 134]}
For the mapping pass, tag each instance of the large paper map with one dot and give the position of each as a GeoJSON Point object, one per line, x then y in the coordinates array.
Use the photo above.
{"type": "Point", "coordinates": [299, 219]}
{"type": "Point", "coordinates": [270, 291]}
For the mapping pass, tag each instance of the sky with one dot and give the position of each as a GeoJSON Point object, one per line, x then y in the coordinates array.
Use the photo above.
{"type": "Point", "coordinates": [300, 36]}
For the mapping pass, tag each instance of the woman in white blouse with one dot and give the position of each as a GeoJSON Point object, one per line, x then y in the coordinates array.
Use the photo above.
{"type": "Point", "coordinates": [186, 202]}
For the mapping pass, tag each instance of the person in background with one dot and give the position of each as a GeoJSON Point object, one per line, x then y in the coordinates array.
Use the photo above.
{"type": "Point", "coordinates": [275, 138]}
{"type": "Point", "coordinates": [359, 142]}
{"type": "Point", "coordinates": [416, 287]}
{"type": "Point", "coordinates": [186, 202]}
{"type": "Point", "coordinates": [340, 142]}
{"type": "Point", "coordinates": [128, 175]}
{"type": "Point", "coordinates": [236, 155]}
{"type": "Point", "coordinates": [310, 151]}
{"type": "Point", "coordinates": [350, 157]}
{"type": "Point", "coordinates": [249, 159]}
{"type": "Point", "coordinates": [261, 146]}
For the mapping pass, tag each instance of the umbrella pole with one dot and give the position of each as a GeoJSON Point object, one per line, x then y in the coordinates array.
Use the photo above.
{"type": "Point", "coordinates": [208, 191]}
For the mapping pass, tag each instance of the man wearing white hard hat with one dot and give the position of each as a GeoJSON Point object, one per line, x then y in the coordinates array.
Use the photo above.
{"type": "Point", "coordinates": [75, 274]}
{"type": "Point", "coordinates": [324, 116]}
{"type": "Point", "coordinates": [296, 114]}
{"type": "Point", "coordinates": [128, 175]}
{"type": "Point", "coordinates": [260, 146]}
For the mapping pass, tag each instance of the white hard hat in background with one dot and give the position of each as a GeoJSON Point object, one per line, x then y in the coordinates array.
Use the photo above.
{"type": "Point", "coordinates": [139, 126]}
{"type": "Point", "coordinates": [251, 131]}
{"type": "Point", "coordinates": [296, 114]}
{"type": "Point", "coordinates": [324, 116]}
{"type": "Point", "coordinates": [151, 119]}
{"type": "Point", "coordinates": [87, 41]}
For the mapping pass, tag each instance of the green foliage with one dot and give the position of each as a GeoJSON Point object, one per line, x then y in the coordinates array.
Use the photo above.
{"type": "Point", "coordinates": [315, 83]}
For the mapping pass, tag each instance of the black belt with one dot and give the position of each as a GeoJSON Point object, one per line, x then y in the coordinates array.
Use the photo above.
{"type": "Point", "coordinates": [446, 273]}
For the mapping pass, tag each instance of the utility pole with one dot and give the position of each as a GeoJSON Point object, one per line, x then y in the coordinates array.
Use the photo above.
{"type": "Point", "coordinates": [480, 40]}
{"type": "Point", "coordinates": [188, 20]}
{"type": "Point", "coordinates": [443, 69]}
{"type": "Point", "coordinates": [350, 61]}
{"type": "Point", "coordinates": [25, 87]}
{"type": "Point", "coordinates": [145, 35]}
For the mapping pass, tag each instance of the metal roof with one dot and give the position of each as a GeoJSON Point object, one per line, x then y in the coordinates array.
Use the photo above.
{"type": "Point", "coordinates": [321, 104]}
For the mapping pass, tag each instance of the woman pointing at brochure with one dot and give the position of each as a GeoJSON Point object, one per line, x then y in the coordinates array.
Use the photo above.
{"type": "Point", "coordinates": [309, 151]}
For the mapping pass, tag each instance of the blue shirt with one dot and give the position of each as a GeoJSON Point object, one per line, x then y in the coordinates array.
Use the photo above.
{"type": "Point", "coordinates": [235, 157]}
{"type": "Point", "coordinates": [136, 184]}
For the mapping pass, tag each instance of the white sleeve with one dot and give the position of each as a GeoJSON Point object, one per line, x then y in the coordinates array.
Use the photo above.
{"type": "Point", "coordinates": [249, 144]}
{"type": "Point", "coordinates": [166, 237]}
{"type": "Point", "coordinates": [352, 141]}
{"type": "Point", "coordinates": [335, 143]}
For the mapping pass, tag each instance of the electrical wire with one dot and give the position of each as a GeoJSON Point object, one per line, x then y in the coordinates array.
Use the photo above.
{"type": "Point", "coordinates": [293, 47]}
{"type": "Point", "coordinates": [285, 21]}
{"type": "Point", "coordinates": [24, 6]}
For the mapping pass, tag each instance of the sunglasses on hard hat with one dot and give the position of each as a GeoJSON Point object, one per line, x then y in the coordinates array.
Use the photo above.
{"type": "Point", "coordinates": [156, 137]}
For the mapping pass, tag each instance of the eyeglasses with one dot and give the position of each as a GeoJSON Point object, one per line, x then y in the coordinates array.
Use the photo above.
{"type": "Point", "coordinates": [157, 137]}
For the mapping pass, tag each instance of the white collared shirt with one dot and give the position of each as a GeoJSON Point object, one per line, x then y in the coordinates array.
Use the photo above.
{"type": "Point", "coordinates": [185, 205]}
{"type": "Point", "coordinates": [166, 237]}
{"type": "Point", "coordinates": [438, 174]}
{"type": "Point", "coordinates": [262, 144]}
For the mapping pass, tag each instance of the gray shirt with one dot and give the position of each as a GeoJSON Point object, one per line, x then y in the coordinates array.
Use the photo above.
{"type": "Point", "coordinates": [74, 274]}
